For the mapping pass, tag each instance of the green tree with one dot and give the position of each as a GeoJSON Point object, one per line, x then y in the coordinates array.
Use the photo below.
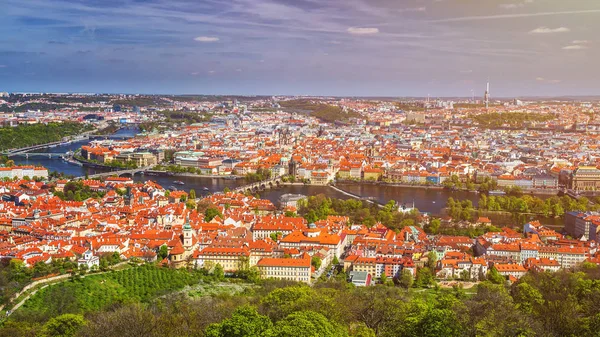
{"type": "Point", "coordinates": [424, 277]}
{"type": "Point", "coordinates": [306, 324]}
{"type": "Point", "coordinates": [315, 261]}
{"type": "Point", "coordinates": [211, 213]}
{"type": "Point", "coordinates": [244, 322]}
{"type": "Point", "coordinates": [434, 226]}
{"type": "Point", "coordinates": [64, 325]}
{"type": "Point", "coordinates": [163, 252]}
{"type": "Point", "coordinates": [218, 272]}
{"type": "Point", "coordinates": [527, 298]}
{"type": "Point", "coordinates": [406, 279]}
{"type": "Point", "coordinates": [495, 277]}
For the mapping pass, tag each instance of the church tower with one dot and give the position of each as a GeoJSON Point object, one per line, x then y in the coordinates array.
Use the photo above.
{"type": "Point", "coordinates": [187, 234]}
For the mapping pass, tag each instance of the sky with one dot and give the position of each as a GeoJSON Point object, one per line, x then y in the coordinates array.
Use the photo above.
{"type": "Point", "coordinates": [394, 48]}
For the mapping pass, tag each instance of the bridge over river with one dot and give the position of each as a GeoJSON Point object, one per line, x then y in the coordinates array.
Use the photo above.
{"type": "Point", "coordinates": [42, 154]}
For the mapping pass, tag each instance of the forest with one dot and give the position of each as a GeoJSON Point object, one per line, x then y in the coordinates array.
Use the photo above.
{"type": "Point", "coordinates": [128, 303]}
{"type": "Point", "coordinates": [28, 135]}
{"type": "Point", "coordinates": [512, 119]}
{"type": "Point", "coordinates": [526, 204]}
{"type": "Point", "coordinates": [325, 112]}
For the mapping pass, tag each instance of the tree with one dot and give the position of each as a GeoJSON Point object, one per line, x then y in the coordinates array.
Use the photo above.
{"type": "Point", "coordinates": [64, 325]}
{"type": "Point", "coordinates": [193, 194]}
{"type": "Point", "coordinates": [315, 261]}
{"type": "Point", "coordinates": [465, 275]}
{"type": "Point", "coordinates": [218, 272]}
{"type": "Point", "coordinates": [424, 277]}
{"type": "Point", "coordinates": [211, 213]}
{"type": "Point", "coordinates": [528, 298]}
{"type": "Point", "coordinates": [275, 236]}
{"type": "Point", "coordinates": [163, 252]}
{"type": "Point", "coordinates": [244, 322]}
{"type": "Point", "coordinates": [306, 324]}
{"type": "Point", "coordinates": [434, 226]}
{"type": "Point", "coordinates": [226, 190]}
{"type": "Point", "coordinates": [431, 260]}
{"type": "Point", "coordinates": [383, 278]}
{"type": "Point", "coordinates": [406, 279]}
{"type": "Point", "coordinates": [495, 277]}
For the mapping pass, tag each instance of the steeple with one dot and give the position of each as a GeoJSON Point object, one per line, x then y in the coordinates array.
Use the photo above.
{"type": "Point", "coordinates": [187, 234]}
{"type": "Point", "coordinates": [187, 226]}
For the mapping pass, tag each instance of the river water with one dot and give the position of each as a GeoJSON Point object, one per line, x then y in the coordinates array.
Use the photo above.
{"type": "Point", "coordinates": [426, 200]}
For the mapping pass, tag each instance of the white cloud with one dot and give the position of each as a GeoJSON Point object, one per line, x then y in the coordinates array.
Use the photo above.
{"type": "Point", "coordinates": [2, 65]}
{"type": "Point", "coordinates": [466, 71]}
{"type": "Point", "coordinates": [510, 6]}
{"type": "Point", "coordinates": [206, 39]}
{"type": "Point", "coordinates": [514, 16]}
{"type": "Point", "coordinates": [363, 30]}
{"type": "Point", "coordinates": [417, 9]}
{"type": "Point", "coordinates": [546, 30]}
{"type": "Point", "coordinates": [238, 70]}
{"type": "Point", "coordinates": [541, 79]}
{"type": "Point", "coordinates": [195, 73]}
{"type": "Point", "coordinates": [211, 71]}
{"type": "Point", "coordinates": [581, 41]}
{"type": "Point", "coordinates": [574, 47]}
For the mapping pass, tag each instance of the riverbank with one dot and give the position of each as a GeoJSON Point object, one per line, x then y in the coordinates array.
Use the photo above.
{"type": "Point", "coordinates": [383, 183]}
{"type": "Point", "coordinates": [438, 187]}
{"type": "Point", "coordinates": [193, 175]}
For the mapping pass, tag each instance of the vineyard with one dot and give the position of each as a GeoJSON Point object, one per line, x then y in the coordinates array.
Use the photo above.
{"type": "Point", "coordinates": [96, 292]}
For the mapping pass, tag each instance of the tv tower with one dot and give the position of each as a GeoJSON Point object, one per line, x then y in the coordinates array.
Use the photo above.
{"type": "Point", "coordinates": [486, 96]}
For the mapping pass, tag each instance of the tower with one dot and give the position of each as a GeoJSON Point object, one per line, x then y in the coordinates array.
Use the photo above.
{"type": "Point", "coordinates": [486, 96]}
{"type": "Point", "coordinates": [187, 234]}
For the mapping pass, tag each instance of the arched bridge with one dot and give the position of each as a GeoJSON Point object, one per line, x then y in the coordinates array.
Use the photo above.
{"type": "Point", "coordinates": [258, 186]}
{"type": "Point", "coordinates": [38, 154]}
{"type": "Point", "coordinates": [119, 173]}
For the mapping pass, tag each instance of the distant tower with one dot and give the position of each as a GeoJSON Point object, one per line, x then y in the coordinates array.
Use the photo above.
{"type": "Point", "coordinates": [187, 234]}
{"type": "Point", "coordinates": [486, 97]}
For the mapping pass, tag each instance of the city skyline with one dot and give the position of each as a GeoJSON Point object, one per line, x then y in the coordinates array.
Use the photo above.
{"type": "Point", "coordinates": [337, 48]}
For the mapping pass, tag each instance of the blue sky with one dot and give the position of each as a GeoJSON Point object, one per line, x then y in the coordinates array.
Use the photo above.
{"type": "Point", "coordinates": [313, 47]}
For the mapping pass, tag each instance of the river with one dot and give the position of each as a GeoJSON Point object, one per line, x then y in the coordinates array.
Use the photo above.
{"type": "Point", "coordinates": [426, 200]}
{"type": "Point", "coordinates": [58, 165]}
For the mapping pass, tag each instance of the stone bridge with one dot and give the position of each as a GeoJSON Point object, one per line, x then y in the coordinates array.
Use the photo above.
{"type": "Point", "coordinates": [33, 154]}
{"type": "Point", "coordinates": [258, 186]}
{"type": "Point", "coordinates": [119, 173]}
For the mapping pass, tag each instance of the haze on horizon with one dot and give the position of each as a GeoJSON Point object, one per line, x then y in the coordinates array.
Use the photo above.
{"type": "Point", "coordinates": [302, 47]}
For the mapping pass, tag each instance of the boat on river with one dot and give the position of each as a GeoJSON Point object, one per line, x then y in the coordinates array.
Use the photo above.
{"type": "Point", "coordinates": [178, 182]}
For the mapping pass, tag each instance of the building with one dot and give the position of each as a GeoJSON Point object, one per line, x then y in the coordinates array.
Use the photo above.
{"type": "Point", "coordinates": [89, 260]}
{"type": "Point", "coordinates": [510, 269]}
{"type": "Point", "coordinates": [141, 159]}
{"type": "Point", "coordinates": [294, 269]}
{"type": "Point", "coordinates": [586, 178]}
{"type": "Point", "coordinates": [582, 225]}
{"type": "Point", "coordinates": [360, 278]}
{"type": "Point", "coordinates": [231, 259]}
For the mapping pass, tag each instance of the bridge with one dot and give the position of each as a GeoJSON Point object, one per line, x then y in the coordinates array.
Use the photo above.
{"type": "Point", "coordinates": [106, 137]}
{"type": "Point", "coordinates": [32, 154]}
{"type": "Point", "coordinates": [13, 152]}
{"type": "Point", "coordinates": [119, 173]}
{"type": "Point", "coordinates": [258, 186]}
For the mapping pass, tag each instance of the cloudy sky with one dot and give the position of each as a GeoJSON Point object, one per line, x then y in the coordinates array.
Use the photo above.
{"type": "Point", "coordinates": [314, 47]}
